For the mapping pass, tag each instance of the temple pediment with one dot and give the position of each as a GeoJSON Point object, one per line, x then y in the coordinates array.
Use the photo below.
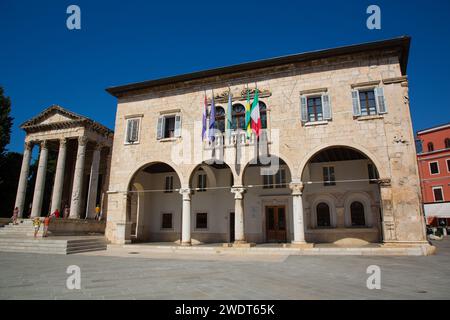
{"type": "Point", "coordinates": [56, 117]}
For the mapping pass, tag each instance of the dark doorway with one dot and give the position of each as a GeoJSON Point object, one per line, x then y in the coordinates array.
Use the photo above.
{"type": "Point", "coordinates": [231, 227]}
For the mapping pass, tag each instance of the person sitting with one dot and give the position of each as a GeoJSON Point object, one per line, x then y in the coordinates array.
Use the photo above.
{"type": "Point", "coordinates": [66, 212]}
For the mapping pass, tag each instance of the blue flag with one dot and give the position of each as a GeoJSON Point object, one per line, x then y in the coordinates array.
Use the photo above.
{"type": "Point", "coordinates": [212, 120]}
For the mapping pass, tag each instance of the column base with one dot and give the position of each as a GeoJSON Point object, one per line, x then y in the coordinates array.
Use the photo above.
{"type": "Point", "coordinates": [241, 244]}
{"type": "Point", "coordinates": [299, 245]}
{"type": "Point", "coordinates": [186, 243]}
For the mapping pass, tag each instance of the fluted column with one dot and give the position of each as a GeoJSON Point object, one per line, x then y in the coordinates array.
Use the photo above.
{"type": "Point", "coordinates": [93, 182]}
{"type": "Point", "coordinates": [23, 180]}
{"type": "Point", "coordinates": [40, 181]}
{"type": "Point", "coordinates": [297, 208]}
{"type": "Point", "coordinates": [239, 234]}
{"type": "Point", "coordinates": [186, 217]}
{"type": "Point", "coordinates": [75, 204]}
{"type": "Point", "coordinates": [59, 176]}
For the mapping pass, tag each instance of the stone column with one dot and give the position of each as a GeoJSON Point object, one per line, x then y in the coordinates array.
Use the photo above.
{"type": "Point", "coordinates": [23, 180]}
{"type": "Point", "coordinates": [297, 208]}
{"type": "Point", "coordinates": [75, 204]}
{"type": "Point", "coordinates": [186, 217]}
{"type": "Point", "coordinates": [239, 234]}
{"type": "Point", "coordinates": [388, 223]}
{"type": "Point", "coordinates": [59, 176]}
{"type": "Point", "coordinates": [93, 182]}
{"type": "Point", "coordinates": [40, 181]}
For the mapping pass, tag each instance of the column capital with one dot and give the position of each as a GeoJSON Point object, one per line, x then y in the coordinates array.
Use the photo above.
{"type": "Point", "coordinates": [186, 193]}
{"type": "Point", "coordinates": [43, 144]}
{"type": "Point", "coordinates": [62, 142]}
{"type": "Point", "coordinates": [99, 146]}
{"type": "Point", "coordinates": [28, 145]}
{"type": "Point", "coordinates": [238, 192]}
{"type": "Point", "coordinates": [82, 141]}
{"type": "Point", "coordinates": [297, 188]}
{"type": "Point", "coordinates": [384, 182]}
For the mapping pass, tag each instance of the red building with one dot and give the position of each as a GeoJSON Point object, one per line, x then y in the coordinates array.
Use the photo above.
{"type": "Point", "coordinates": [433, 156]}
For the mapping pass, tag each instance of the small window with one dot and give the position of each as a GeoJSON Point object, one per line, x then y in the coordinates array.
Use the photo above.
{"type": "Point", "coordinates": [219, 123]}
{"type": "Point", "coordinates": [448, 165]}
{"type": "Point", "coordinates": [201, 182]}
{"type": "Point", "coordinates": [267, 181]}
{"type": "Point", "coordinates": [434, 167]}
{"type": "Point", "coordinates": [201, 221]}
{"type": "Point", "coordinates": [438, 194]}
{"type": "Point", "coordinates": [328, 176]}
{"type": "Point", "coordinates": [315, 109]}
{"type": "Point", "coordinates": [280, 178]}
{"type": "Point", "coordinates": [168, 187]}
{"type": "Point", "coordinates": [169, 126]}
{"type": "Point", "coordinates": [132, 133]}
{"type": "Point", "coordinates": [166, 222]}
{"type": "Point", "coordinates": [367, 102]}
{"type": "Point", "coordinates": [323, 215]}
{"type": "Point", "coordinates": [447, 143]}
{"type": "Point", "coordinates": [430, 146]}
{"type": "Point", "coordinates": [373, 173]}
{"type": "Point", "coordinates": [357, 214]}
{"type": "Point", "coordinates": [238, 117]}
{"type": "Point", "coordinates": [277, 180]}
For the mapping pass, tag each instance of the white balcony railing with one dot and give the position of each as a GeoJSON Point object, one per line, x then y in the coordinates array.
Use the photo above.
{"type": "Point", "coordinates": [234, 138]}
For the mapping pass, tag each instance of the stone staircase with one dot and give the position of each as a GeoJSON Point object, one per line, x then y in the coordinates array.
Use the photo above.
{"type": "Point", "coordinates": [19, 238]}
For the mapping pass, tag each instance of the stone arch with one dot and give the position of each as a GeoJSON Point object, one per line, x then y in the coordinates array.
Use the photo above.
{"type": "Point", "coordinates": [288, 163]}
{"type": "Point", "coordinates": [384, 171]}
{"type": "Point", "coordinates": [206, 165]}
{"type": "Point", "coordinates": [147, 163]}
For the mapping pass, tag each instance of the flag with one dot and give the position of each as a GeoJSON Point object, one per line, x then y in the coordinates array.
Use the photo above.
{"type": "Point", "coordinates": [255, 115]}
{"type": "Point", "coordinates": [247, 115]}
{"type": "Point", "coordinates": [205, 110]}
{"type": "Point", "coordinates": [229, 111]}
{"type": "Point", "coordinates": [212, 119]}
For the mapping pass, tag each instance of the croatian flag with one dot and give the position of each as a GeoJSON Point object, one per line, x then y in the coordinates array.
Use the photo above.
{"type": "Point", "coordinates": [205, 110]}
{"type": "Point", "coordinates": [255, 115]}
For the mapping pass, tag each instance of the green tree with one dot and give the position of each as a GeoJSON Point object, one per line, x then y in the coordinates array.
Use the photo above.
{"type": "Point", "coordinates": [6, 122]}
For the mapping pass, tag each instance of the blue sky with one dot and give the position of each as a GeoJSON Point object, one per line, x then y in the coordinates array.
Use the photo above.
{"type": "Point", "coordinates": [43, 63]}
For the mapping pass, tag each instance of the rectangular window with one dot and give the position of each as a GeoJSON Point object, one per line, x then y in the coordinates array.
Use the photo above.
{"type": "Point", "coordinates": [132, 133]}
{"type": "Point", "coordinates": [367, 102]}
{"type": "Point", "coordinates": [438, 194]}
{"type": "Point", "coordinates": [434, 167]}
{"type": "Point", "coordinates": [201, 183]}
{"type": "Point", "coordinates": [280, 178]}
{"type": "Point", "coordinates": [373, 173]}
{"type": "Point", "coordinates": [168, 187]}
{"type": "Point", "coordinates": [315, 109]}
{"type": "Point", "coordinates": [169, 126]}
{"type": "Point", "coordinates": [267, 181]}
{"type": "Point", "coordinates": [201, 220]}
{"type": "Point", "coordinates": [166, 221]}
{"type": "Point", "coordinates": [328, 176]}
{"type": "Point", "coordinates": [448, 165]}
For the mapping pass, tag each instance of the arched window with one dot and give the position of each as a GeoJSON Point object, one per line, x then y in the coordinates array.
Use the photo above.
{"type": "Point", "coordinates": [263, 114]}
{"type": "Point", "coordinates": [238, 117]}
{"type": "Point", "coordinates": [430, 146]}
{"type": "Point", "coordinates": [220, 119]}
{"type": "Point", "coordinates": [323, 215]}
{"type": "Point", "coordinates": [357, 214]}
{"type": "Point", "coordinates": [447, 143]}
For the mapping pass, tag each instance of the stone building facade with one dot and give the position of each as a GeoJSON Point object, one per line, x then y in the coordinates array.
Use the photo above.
{"type": "Point", "coordinates": [337, 123]}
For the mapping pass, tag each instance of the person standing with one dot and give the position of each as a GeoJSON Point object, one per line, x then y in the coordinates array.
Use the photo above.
{"type": "Point", "coordinates": [15, 215]}
{"type": "Point", "coordinates": [66, 212]}
{"type": "Point", "coordinates": [46, 224]}
{"type": "Point", "coordinates": [97, 212]}
{"type": "Point", "coordinates": [36, 225]}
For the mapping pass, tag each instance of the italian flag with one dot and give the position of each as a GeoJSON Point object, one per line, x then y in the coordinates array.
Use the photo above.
{"type": "Point", "coordinates": [255, 116]}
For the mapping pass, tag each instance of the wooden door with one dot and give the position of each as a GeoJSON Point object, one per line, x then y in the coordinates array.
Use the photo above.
{"type": "Point", "coordinates": [276, 223]}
